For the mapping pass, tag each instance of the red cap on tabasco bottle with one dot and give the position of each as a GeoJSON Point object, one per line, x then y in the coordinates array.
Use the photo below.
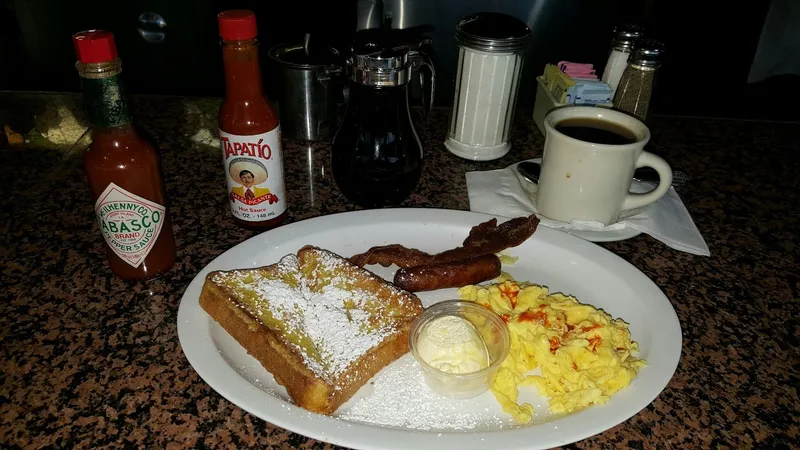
{"type": "Point", "coordinates": [94, 46]}
{"type": "Point", "coordinates": [237, 25]}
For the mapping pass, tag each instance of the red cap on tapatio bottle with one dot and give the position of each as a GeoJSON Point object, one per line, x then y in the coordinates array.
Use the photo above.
{"type": "Point", "coordinates": [237, 25]}
{"type": "Point", "coordinates": [94, 46]}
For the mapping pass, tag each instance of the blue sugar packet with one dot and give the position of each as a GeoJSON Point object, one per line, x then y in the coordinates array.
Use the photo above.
{"type": "Point", "coordinates": [588, 91]}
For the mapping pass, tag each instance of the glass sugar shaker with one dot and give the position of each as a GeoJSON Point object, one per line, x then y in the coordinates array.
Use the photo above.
{"type": "Point", "coordinates": [621, 45]}
{"type": "Point", "coordinates": [636, 85]}
{"type": "Point", "coordinates": [490, 56]}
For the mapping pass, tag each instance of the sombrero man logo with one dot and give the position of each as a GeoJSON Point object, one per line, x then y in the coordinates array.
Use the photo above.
{"type": "Point", "coordinates": [254, 169]}
{"type": "Point", "coordinates": [249, 174]}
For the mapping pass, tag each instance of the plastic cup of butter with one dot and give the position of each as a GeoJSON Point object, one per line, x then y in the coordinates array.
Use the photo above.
{"type": "Point", "coordinates": [491, 329]}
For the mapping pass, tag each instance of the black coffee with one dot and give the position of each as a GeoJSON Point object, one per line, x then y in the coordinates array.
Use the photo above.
{"type": "Point", "coordinates": [596, 131]}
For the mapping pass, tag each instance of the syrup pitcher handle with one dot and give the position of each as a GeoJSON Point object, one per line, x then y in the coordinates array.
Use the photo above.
{"type": "Point", "coordinates": [419, 60]}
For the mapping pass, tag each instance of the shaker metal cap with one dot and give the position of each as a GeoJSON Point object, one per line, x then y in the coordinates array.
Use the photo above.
{"type": "Point", "coordinates": [647, 53]}
{"type": "Point", "coordinates": [385, 57]}
{"type": "Point", "coordinates": [377, 58]}
{"type": "Point", "coordinates": [625, 35]}
{"type": "Point", "coordinates": [493, 32]}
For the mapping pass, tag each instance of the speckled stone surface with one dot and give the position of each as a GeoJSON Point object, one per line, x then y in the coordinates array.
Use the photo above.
{"type": "Point", "coordinates": [90, 361]}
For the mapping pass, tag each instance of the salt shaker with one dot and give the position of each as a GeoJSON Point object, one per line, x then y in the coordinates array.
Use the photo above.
{"type": "Point", "coordinates": [624, 37]}
{"type": "Point", "coordinates": [490, 56]}
{"type": "Point", "coordinates": [636, 85]}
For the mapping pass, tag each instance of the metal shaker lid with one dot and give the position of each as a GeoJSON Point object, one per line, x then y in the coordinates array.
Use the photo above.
{"type": "Point", "coordinates": [625, 35]}
{"type": "Point", "coordinates": [374, 57]}
{"type": "Point", "coordinates": [647, 53]}
{"type": "Point", "coordinates": [384, 57]}
{"type": "Point", "coordinates": [493, 32]}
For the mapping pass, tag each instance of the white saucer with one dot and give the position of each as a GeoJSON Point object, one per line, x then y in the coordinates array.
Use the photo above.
{"type": "Point", "coordinates": [602, 236]}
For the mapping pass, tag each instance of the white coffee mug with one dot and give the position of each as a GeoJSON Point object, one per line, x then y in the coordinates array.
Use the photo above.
{"type": "Point", "coordinates": [582, 180]}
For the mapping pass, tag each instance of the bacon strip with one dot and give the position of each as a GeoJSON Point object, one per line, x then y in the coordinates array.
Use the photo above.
{"type": "Point", "coordinates": [484, 238]}
{"type": "Point", "coordinates": [387, 255]}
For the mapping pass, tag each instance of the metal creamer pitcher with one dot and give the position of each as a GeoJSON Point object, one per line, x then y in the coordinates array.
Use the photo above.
{"type": "Point", "coordinates": [310, 88]}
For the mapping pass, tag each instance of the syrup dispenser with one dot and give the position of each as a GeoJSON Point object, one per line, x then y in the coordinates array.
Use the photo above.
{"type": "Point", "coordinates": [377, 155]}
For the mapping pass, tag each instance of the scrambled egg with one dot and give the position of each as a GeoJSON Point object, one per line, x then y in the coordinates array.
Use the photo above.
{"type": "Point", "coordinates": [507, 260]}
{"type": "Point", "coordinates": [585, 356]}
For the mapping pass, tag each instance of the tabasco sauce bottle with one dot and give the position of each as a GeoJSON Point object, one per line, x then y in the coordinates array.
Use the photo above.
{"type": "Point", "coordinates": [249, 130]}
{"type": "Point", "coordinates": [122, 168]}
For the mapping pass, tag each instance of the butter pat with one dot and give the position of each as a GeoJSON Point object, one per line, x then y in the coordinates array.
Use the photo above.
{"type": "Point", "coordinates": [459, 345]}
{"type": "Point", "coordinates": [453, 345]}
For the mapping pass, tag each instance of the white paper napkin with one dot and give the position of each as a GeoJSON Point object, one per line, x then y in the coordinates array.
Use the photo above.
{"type": "Point", "coordinates": [502, 192]}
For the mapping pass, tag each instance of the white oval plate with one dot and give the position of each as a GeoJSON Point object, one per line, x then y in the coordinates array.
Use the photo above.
{"type": "Point", "coordinates": [562, 262]}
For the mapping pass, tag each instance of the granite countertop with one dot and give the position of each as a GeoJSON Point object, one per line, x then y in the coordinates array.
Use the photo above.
{"type": "Point", "coordinates": [91, 361]}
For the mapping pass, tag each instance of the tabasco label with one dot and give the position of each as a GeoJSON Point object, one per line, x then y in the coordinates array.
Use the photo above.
{"type": "Point", "coordinates": [130, 224]}
{"type": "Point", "coordinates": [254, 171]}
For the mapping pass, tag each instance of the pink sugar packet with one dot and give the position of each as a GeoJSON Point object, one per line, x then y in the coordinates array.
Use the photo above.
{"type": "Point", "coordinates": [577, 70]}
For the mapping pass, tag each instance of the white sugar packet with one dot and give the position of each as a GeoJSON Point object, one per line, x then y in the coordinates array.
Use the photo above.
{"type": "Point", "coordinates": [502, 192]}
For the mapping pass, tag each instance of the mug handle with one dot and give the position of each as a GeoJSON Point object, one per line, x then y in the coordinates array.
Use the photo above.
{"type": "Point", "coordinates": [647, 159]}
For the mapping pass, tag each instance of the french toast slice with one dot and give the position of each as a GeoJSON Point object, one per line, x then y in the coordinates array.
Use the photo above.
{"type": "Point", "coordinates": [321, 325]}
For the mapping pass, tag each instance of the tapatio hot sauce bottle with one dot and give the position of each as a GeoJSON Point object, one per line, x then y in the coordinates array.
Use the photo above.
{"type": "Point", "coordinates": [249, 130]}
{"type": "Point", "coordinates": [122, 168]}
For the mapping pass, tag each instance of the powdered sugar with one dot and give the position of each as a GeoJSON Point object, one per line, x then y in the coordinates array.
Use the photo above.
{"type": "Point", "coordinates": [329, 323]}
{"type": "Point", "coordinates": [289, 264]}
{"type": "Point", "coordinates": [329, 262]}
{"type": "Point", "coordinates": [340, 334]}
{"type": "Point", "coordinates": [401, 398]}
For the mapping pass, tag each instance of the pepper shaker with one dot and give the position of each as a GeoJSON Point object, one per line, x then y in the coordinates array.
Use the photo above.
{"type": "Point", "coordinates": [636, 85]}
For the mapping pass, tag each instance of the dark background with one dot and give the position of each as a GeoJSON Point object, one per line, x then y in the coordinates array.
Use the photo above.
{"type": "Point", "coordinates": [710, 44]}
